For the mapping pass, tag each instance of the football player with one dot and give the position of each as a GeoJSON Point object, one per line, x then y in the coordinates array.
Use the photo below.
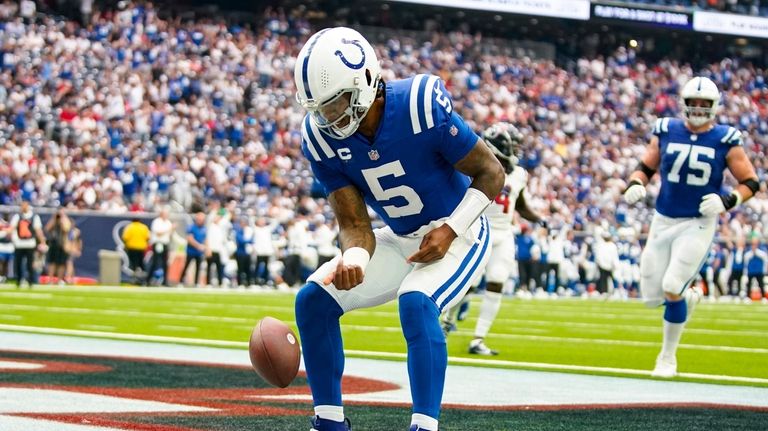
{"type": "Point", "coordinates": [399, 147]}
{"type": "Point", "coordinates": [691, 155]}
{"type": "Point", "coordinates": [504, 140]}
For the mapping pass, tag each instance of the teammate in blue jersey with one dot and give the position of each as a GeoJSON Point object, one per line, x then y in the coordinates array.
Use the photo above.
{"type": "Point", "coordinates": [691, 155]}
{"type": "Point", "coordinates": [400, 148]}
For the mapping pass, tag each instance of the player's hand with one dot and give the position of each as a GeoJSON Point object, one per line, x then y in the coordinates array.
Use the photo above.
{"type": "Point", "coordinates": [434, 245]}
{"type": "Point", "coordinates": [634, 192]}
{"type": "Point", "coordinates": [711, 205]}
{"type": "Point", "coordinates": [345, 277]}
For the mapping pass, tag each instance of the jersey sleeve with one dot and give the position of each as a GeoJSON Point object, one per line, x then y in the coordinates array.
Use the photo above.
{"type": "Point", "coordinates": [457, 138]}
{"type": "Point", "coordinates": [329, 178]}
{"type": "Point", "coordinates": [661, 126]}
{"type": "Point", "coordinates": [732, 138]}
{"type": "Point", "coordinates": [317, 150]}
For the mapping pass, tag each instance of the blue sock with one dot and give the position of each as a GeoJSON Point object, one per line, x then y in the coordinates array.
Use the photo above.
{"type": "Point", "coordinates": [317, 316]}
{"type": "Point", "coordinates": [427, 354]}
{"type": "Point", "coordinates": [675, 312]}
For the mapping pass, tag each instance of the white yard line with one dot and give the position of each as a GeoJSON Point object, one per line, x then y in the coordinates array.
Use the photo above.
{"type": "Point", "coordinates": [178, 328]}
{"type": "Point", "coordinates": [19, 294]}
{"type": "Point", "coordinates": [96, 327]}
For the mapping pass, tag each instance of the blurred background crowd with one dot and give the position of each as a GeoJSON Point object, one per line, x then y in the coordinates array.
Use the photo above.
{"type": "Point", "coordinates": [130, 107]}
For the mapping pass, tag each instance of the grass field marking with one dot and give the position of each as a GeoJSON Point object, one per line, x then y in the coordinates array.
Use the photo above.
{"type": "Point", "coordinates": [640, 328]}
{"type": "Point", "coordinates": [608, 341]}
{"type": "Point", "coordinates": [278, 308]}
{"type": "Point", "coordinates": [123, 336]}
{"type": "Point", "coordinates": [526, 307]}
{"type": "Point", "coordinates": [11, 317]}
{"type": "Point", "coordinates": [96, 327]}
{"type": "Point", "coordinates": [579, 340]}
{"type": "Point", "coordinates": [18, 294]}
{"type": "Point", "coordinates": [145, 289]}
{"type": "Point", "coordinates": [178, 328]}
{"type": "Point", "coordinates": [376, 355]}
{"type": "Point", "coordinates": [128, 313]}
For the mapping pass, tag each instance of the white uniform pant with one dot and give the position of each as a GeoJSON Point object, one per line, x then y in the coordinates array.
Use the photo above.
{"type": "Point", "coordinates": [388, 274]}
{"type": "Point", "coordinates": [675, 251]}
{"type": "Point", "coordinates": [502, 259]}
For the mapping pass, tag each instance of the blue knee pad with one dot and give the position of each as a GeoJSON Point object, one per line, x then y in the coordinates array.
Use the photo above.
{"type": "Point", "coordinates": [317, 316]}
{"type": "Point", "coordinates": [676, 312]}
{"type": "Point", "coordinates": [427, 354]}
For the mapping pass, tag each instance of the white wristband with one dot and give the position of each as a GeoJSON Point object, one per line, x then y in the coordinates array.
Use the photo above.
{"type": "Point", "coordinates": [469, 209]}
{"type": "Point", "coordinates": [356, 256]}
{"type": "Point", "coordinates": [739, 199]}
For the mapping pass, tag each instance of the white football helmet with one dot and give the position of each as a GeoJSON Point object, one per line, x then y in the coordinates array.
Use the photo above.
{"type": "Point", "coordinates": [702, 89]}
{"type": "Point", "coordinates": [337, 75]}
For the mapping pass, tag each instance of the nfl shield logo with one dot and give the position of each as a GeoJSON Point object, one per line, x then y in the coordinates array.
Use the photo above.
{"type": "Point", "coordinates": [373, 154]}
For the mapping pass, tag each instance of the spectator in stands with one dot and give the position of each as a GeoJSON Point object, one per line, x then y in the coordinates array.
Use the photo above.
{"type": "Point", "coordinates": [215, 247]}
{"type": "Point", "coordinates": [136, 242]}
{"type": "Point", "coordinates": [27, 236]}
{"type": "Point", "coordinates": [297, 236]}
{"type": "Point", "coordinates": [57, 232]}
{"type": "Point", "coordinates": [161, 232]}
{"type": "Point", "coordinates": [325, 238]}
{"type": "Point", "coordinates": [74, 250]}
{"type": "Point", "coordinates": [735, 268]}
{"type": "Point", "coordinates": [756, 261]}
{"type": "Point", "coordinates": [196, 240]}
{"type": "Point", "coordinates": [607, 260]}
{"type": "Point", "coordinates": [6, 248]}
{"type": "Point", "coordinates": [264, 249]}
{"type": "Point", "coordinates": [102, 121]}
{"type": "Point", "coordinates": [525, 263]}
{"type": "Point", "coordinates": [243, 252]}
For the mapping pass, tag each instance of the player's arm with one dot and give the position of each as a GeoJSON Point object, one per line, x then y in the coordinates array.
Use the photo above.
{"type": "Point", "coordinates": [742, 169]}
{"type": "Point", "coordinates": [355, 235]}
{"type": "Point", "coordinates": [738, 163]}
{"type": "Point", "coordinates": [487, 180]}
{"type": "Point", "coordinates": [525, 211]}
{"type": "Point", "coordinates": [645, 170]}
{"type": "Point", "coordinates": [485, 170]}
{"type": "Point", "coordinates": [38, 226]}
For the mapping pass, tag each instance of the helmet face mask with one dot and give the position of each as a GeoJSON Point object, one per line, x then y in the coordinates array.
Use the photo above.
{"type": "Point", "coordinates": [698, 111]}
{"type": "Point", "coordinates": [337, 77]}
{"type": "Point", "coordinates": [339, 116]}
{"type": "Point", "coordinates": [700, 100]}
{"type": "Point", "coordinates": [504, 140]}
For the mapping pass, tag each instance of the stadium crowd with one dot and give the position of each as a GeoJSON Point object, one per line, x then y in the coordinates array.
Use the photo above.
{"type": "Point", "coordinates": [134, 112]}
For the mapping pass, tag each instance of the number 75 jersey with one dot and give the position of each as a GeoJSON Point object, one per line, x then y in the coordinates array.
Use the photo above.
{"type": "Point", "coordinates": [406, 173]}
{"type": "Point", "coordinates": [692, 165]}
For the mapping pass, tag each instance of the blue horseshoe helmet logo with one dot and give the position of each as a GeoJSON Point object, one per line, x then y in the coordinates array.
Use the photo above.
{"type": "Point", "coordinates": [344, 59]}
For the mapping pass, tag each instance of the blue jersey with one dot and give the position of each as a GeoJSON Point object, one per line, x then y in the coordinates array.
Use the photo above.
{"type": "Point", "coordinates": [691, 165]}
{"type": "Point", "coordinates": [406, 173]}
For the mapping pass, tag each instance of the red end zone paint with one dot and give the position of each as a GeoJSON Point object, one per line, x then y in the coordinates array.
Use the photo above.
{"type": "Point", "coordinates": [53, 367]}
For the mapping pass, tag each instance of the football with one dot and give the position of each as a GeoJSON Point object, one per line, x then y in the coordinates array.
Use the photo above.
{"type": "Point", "coordinates": [275, 352]}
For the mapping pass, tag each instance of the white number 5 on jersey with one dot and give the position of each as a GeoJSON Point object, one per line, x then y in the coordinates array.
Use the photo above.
{"type": "Point", "coordinates": [699, 170]}
{"type": "Point", "coordinates": [372, 176]}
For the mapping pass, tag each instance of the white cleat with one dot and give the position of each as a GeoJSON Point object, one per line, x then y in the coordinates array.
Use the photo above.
{"type": "Point", "coordinates": [666, 368]}
{"type": "Point", "coordinates": [478, 347]}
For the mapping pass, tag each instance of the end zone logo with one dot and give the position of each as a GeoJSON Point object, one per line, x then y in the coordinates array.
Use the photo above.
{"type": "Point", "coordinates": [64, 393]}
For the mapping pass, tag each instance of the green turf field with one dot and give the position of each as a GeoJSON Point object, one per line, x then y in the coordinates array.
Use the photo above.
{"type": "Point", "coordinates": [724, 343]}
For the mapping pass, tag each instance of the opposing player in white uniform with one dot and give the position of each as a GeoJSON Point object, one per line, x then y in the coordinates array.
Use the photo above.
{"type": "Point", "coordinates": [399, 147]}
{"type": "Point", "coordinates": [504, 140]}
{"type": "Point", "coordinates": [691, 156]}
